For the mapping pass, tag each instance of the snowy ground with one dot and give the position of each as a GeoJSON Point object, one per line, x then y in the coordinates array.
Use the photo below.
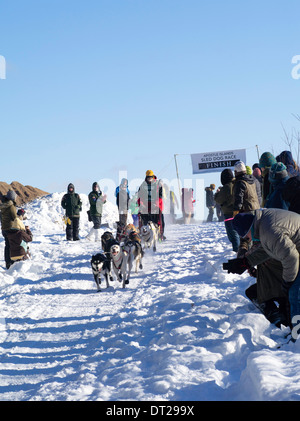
{"type": "Point", "coordinates": [182, 330]}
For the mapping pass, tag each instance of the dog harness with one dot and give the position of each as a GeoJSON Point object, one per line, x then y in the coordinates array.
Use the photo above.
{"type": "Point", "coordinates": [118, 267]}
{"type": "Point", "coordinates": [147, 239]}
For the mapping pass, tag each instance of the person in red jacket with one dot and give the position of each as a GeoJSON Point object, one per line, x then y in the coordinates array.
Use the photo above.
{"type": "Point", "coordinates": [187, 202]}
{"type": "Point", "coordinates": [150, 200]}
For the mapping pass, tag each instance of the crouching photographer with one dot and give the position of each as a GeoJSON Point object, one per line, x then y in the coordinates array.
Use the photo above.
{"type": "Point", "coordinates": [276, 237]}
{"type": "Point", "coordinates": [242, 224]}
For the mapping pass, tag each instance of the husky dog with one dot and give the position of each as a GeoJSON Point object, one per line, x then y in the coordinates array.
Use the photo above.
{"type": "Point", "coordinates": [106, 241]}
{"type": "Point", "coordinates": [134, 251]}
{"type": "Point", "coordinates": [149, 235]}
{"type": "Point", "coordinates": [120, 235]}
{"type": "Point", "coordinates": [119, 263]}
{"type": "Point", "coordinates": [101, 266]}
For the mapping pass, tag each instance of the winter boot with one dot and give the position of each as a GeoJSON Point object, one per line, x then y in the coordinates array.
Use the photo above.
{"type": "Point", "coordinates": [91, 235]}
{"type": "Point", "coordinates": [97, 235]}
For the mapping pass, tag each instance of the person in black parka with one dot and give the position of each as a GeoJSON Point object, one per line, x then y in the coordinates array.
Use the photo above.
{"type": "Point", "coordinates": [210, 203]}
{"type": "Point", "coordinates": [72, 204]}
{"type": "Point", "coordinates": [291, 193]}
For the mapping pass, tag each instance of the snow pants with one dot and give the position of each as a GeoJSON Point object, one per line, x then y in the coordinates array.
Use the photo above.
{"type": "Point", "coordinates": [210, 214]}
{"type": "Point", "coordinates": [96, 221]}
{"type": "Point", "coordinates": [294, 299]}
{"type": "Point", "coordinates": [7, 258]}
{"type": "Point", "coordinates": [145, 218]}
{"type": "Point", "coordinates": [135, 220]}
{"type": "Point", "coordinates": [72, 229]}
{"type": "Point", "coordinates": [123, 218]}
{"type": "Point", "coordinates": [232, 235]}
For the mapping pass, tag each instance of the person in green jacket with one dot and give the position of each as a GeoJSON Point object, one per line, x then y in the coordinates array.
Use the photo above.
{"type": "Point", "coordinates": [72, 204]}
{"type": "Point", "coordinates": [134, 209]}
{"type": "Point", "coordinates": [96, 200]}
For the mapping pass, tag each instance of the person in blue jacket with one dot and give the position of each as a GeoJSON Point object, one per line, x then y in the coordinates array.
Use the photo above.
{"type": "Point", "coordinates": [122, 198]}
{"type": "Point", "coordinates": [278, 177]}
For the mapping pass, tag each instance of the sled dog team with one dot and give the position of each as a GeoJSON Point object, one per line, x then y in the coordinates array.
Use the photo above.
{"type": "Point", "coordinates": [120, 253]}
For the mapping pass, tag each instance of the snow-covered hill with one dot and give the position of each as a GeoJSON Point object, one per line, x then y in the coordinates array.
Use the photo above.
{"type": "Point", "coordinates": [182, 330]}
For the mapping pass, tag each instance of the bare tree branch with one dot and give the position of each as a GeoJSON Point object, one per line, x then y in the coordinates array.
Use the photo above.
{"type": "Point", "coordinates": [297, 116]}
{"type": "Point", "coordinates": [287, 139]}
{"type": "Point", "coordinates": [294, 137]}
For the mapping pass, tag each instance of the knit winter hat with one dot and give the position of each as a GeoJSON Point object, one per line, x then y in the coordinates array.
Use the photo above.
{"type": "Point", "coordinates": [248, 170]}
{"type": "Point", "coordinates": [240, 167]}
{"type": "Point", "coordinates": [226, 176]}
{"type": "Point", "coordinates": [257, 172]}
{"type": "Point", "coordinates": [242, 223]}
{"type": "Point", "coordinates": [277, 172]}
{"type": "Point", "coordinates": [149, 173]}
{"type": "Point", "coordinates": [287, 159]}
{"type": "Point", "coordinates": [11, 195]}
{"type": "Point", "coordinates": [266, 160]}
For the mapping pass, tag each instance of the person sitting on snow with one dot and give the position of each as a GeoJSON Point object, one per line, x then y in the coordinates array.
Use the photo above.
{"type": "Point", "coordinates": [8, 213]}
{"type": "Point", "coordinates": [19, 236]}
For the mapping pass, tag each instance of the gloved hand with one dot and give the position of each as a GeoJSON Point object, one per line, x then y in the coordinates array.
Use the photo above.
{"type": "Point", "coordinates": [236, 265]}
{"type": "Point", "coordinates": [285, 286]}
{"type": "Point", "coordinates": [253, 272]}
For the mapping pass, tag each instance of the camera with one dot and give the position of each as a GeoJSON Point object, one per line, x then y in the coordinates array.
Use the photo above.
{"type": "Point", "coordinates": [237, 266]}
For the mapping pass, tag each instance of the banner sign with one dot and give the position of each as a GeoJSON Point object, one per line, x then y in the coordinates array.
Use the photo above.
{"type": "Point", "coordinates": [217, 161]}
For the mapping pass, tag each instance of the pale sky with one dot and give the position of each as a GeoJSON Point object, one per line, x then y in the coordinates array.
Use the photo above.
{"type": "Point", "coordinates": [96, 87]}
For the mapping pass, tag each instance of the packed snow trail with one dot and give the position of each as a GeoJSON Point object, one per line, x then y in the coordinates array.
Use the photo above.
{"type": "Point", "coordinates": [181, 330]}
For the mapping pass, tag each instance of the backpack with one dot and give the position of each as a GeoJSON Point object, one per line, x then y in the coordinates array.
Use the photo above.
{"type": "Point", "coordinates": [291, 193]}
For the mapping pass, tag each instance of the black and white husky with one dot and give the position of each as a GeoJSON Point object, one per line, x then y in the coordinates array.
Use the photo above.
{"type": "Point", "coordinates": [119, 263]}
{"type": "Point", "coordinates": [101, 266]}
{"type": "Point", "coordinates": [134, 253]}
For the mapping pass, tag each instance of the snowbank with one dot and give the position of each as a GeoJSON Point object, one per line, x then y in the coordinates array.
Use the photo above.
{"type": "Point", "coordinates": [46, 214]}
{"type": "Point", "coordinates": [182, 330]}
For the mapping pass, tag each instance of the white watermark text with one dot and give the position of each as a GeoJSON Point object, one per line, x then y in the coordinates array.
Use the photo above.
{"type": "Point", "coordinates": [2, 67]}
{"type": "Point", "coordinates": [296, 69]}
